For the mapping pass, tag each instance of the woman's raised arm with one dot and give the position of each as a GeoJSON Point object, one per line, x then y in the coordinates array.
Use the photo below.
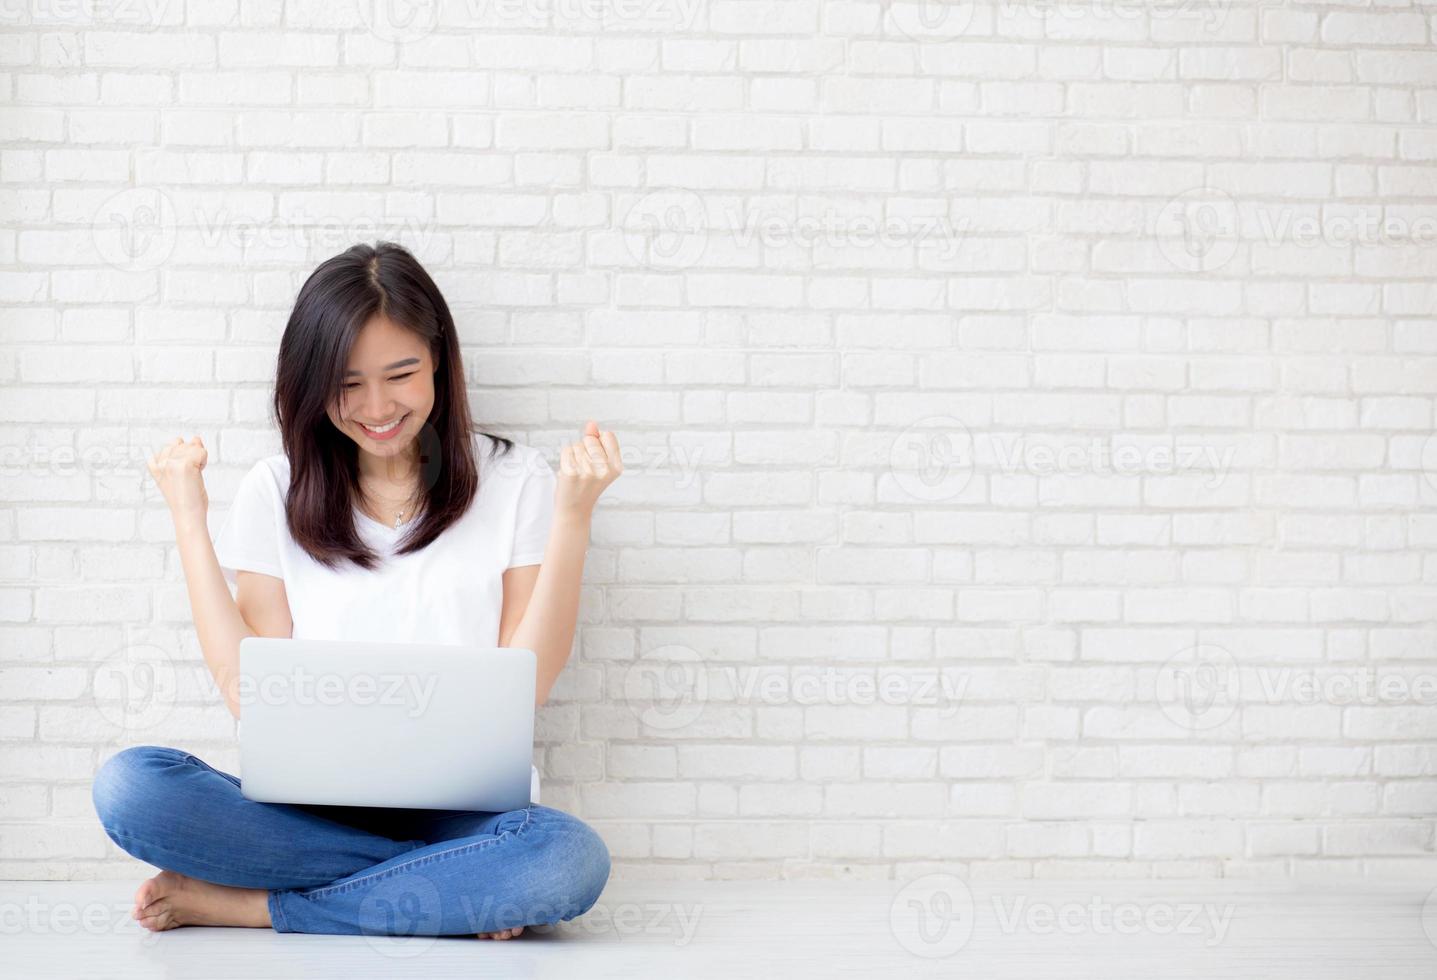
{"type": "Point", "coordinates": [177, 469]}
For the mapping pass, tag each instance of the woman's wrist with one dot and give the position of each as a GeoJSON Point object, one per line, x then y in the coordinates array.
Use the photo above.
{"type": "Point", "coordinates": [190, 524]}
{"type": "Point", "coordinates": [578, 520]}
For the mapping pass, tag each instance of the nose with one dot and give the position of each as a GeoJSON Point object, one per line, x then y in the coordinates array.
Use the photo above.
{"type": "Point", "coordinates": [378, 407]}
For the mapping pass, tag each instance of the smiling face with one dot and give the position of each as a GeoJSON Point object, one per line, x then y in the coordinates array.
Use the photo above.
{"type": "Point", "coordinates": [387, 391]}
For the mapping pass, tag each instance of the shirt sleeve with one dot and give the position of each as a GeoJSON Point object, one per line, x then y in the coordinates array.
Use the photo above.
{"type": "Point", "coordinates": [534, 515]}
{"type": "Point", "coordinates": [248, 539]}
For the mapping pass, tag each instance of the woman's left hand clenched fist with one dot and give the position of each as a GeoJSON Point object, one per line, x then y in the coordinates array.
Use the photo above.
{"type": "Point", "coordinates": [586, 468]}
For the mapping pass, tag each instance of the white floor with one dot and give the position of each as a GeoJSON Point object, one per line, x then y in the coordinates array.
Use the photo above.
{"type": "Point", "coordinates": [937, 926]}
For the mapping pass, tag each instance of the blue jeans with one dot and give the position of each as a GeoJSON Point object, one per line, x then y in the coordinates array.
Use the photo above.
{"type": "Point", "coordinates": [352, 870]}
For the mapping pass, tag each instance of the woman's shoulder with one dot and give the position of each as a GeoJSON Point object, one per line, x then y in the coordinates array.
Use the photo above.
{"type": "Point", "coordinates": [272, 470]}
{"type": "Point", "coordinates": [512, 462]}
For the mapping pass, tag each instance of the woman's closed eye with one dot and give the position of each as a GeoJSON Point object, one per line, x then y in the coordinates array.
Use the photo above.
{"type": "Point", "coordinates": [401, 377]}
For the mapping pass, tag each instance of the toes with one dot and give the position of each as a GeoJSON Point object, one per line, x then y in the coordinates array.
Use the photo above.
{"type": "Point", "coordinates": [158, 922]}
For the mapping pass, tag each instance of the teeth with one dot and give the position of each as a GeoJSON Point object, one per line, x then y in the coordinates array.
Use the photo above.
{"type": "Point", "coordinates": [384, 428]}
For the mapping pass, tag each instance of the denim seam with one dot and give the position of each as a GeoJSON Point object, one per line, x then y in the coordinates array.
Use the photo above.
{"type": "Point", "coordinates": [203, 764]}
{"type": "Point", "coordinates": [278, 921]}
{"type": "Point", "coordinates": [195, 858]}
{"type": "Point", "coordinates": [324, 891]}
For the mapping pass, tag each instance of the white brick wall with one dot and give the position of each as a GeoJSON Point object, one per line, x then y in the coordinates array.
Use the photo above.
{"type": "Point", "coordinates": [1027, 407]}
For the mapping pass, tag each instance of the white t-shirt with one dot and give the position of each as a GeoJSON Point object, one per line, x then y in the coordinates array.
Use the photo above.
{"type": "Point", "coordinates": [449, 592]}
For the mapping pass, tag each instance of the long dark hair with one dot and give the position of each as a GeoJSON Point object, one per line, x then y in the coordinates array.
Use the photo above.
{"type": "Point", "coordinates": [335, 303]}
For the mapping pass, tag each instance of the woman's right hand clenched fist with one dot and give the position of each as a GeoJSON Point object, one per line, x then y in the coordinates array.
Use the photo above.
{"type": "Point", "coordinates": [176, 469]}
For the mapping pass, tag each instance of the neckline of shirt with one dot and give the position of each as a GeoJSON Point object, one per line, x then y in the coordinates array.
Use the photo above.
{"type": "Point", "coordinates": [379, 524]}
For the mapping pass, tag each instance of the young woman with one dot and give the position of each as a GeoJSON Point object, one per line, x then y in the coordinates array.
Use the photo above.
{"type": "Point", "coordinates": [386, 517]}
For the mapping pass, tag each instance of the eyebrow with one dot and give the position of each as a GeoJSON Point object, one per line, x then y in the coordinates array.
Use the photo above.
{"type": "Point", "coordinates": [389, 367]}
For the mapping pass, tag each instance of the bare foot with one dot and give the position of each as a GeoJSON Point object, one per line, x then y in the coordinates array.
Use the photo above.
{"type": "Point", "coordinates": [502, 933]}
{"type": "Point", "coordinates": [170, 899]}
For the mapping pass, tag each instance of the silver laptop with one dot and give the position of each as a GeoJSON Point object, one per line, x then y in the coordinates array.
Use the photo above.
{"type": "Point", "coordinates": [429, 726]}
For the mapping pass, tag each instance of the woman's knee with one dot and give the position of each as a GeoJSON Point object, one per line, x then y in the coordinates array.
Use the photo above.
{"type": "Point", "coordinates": [576, 859]}
{"type": "Point", "coordinates": [127, 783]}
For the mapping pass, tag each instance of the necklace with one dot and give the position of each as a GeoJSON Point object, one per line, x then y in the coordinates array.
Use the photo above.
{"type": "Point", "coordinates": [398, 514]}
